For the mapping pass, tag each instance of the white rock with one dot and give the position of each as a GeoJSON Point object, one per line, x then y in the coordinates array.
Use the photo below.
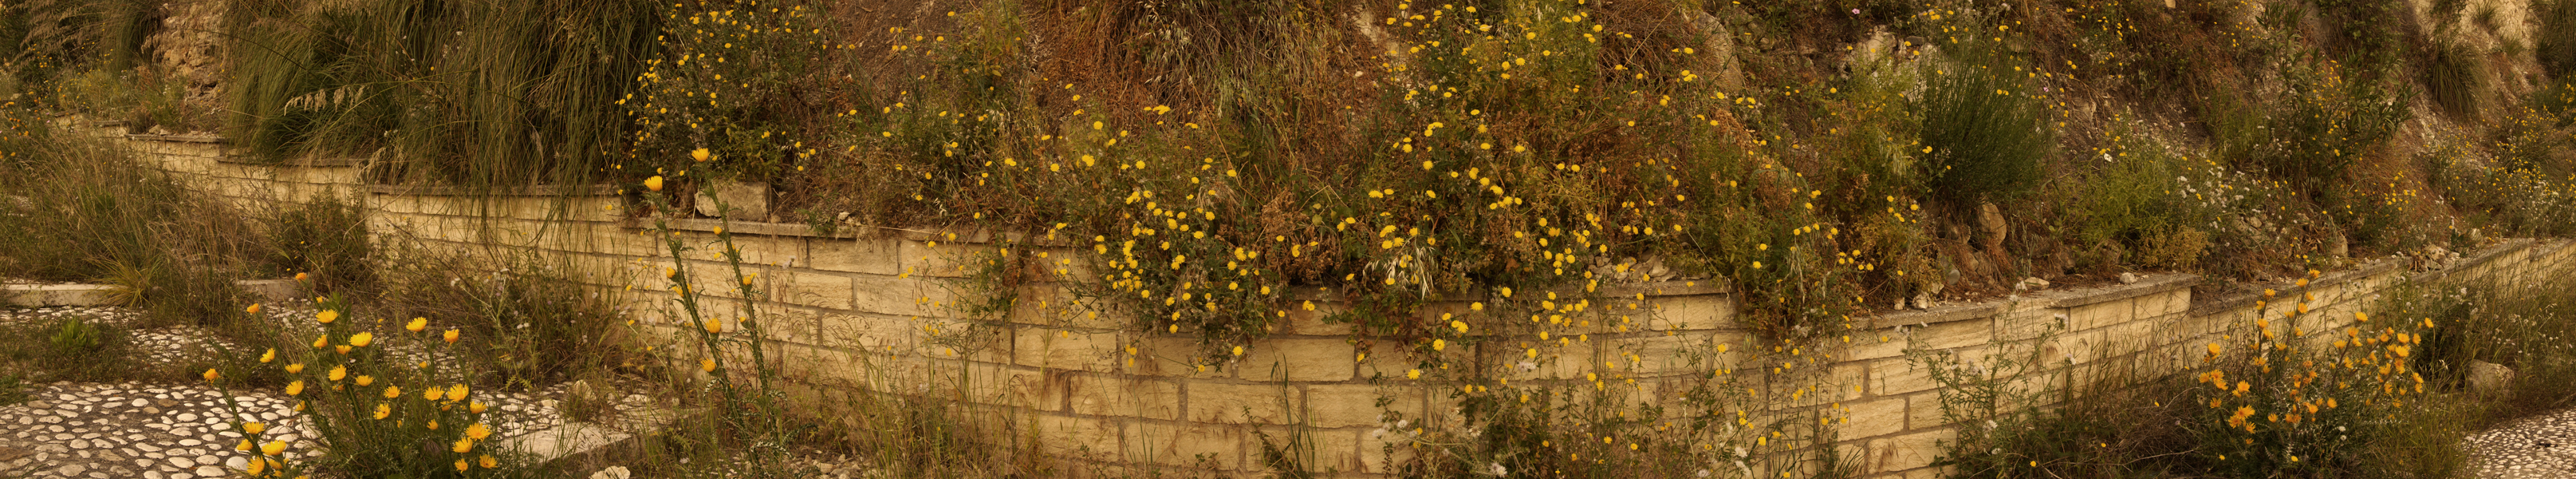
{"type": "Point", "coordinates": [236, 462]}
{"type": "Point", "coordinates": [208, 460]}
{"type": "Point", "coordinates": [210, 471]}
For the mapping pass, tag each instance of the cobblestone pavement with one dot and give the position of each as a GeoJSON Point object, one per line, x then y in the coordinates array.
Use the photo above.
{"type": "Point", "coordinates": [179, 431]}
{"type": "Point", "coordinates": [165, 431]}
{"type": "Point", "coordinates": [146, 430]}
{"type": "Point", "coordinates": [2537, 447]}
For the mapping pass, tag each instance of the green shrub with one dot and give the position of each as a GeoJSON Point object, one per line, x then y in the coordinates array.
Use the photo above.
{"type": "Point", "coordinates": [2556, 45]}
{"type": "Point", "coordinates": [478, 94]}
{"type": "Point", "coordinates": [531, 320]}
{"type": "Point", "coordinates": [2455, 78]}
{"type": "Point", "coordinates": [2326, 123]}
{"type": "Point", "coordinates": [75, 337]}
{"type": "Point", "coordinates": [326, 238]}
{"type": "Point", "coordinates": [74, 349]}
{"type": "Point", "coordinates": [2141, 202]}
{"type": "Point", "coordinates": [93, 213]}
{"type": "Point", "coordinates": [1982, 127]}
{"type": "Point", "coordinates": [13, 389]}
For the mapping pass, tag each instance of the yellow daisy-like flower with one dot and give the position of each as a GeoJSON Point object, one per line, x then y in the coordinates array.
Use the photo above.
{"type": "Point", "coordinates": [700, 154]}
{"type": "Point", "coordinates": [211, 375]}
{"type": "Point", "coordinates": [253, 309]}
{"type": "Point", "coordinates": [433, 424]}
{"type": "Point", "coordinates": [254, 428]}
{"type": "Point", "coordinates": [273, 448]}
{"type": "Point", "coordinates": [362, 339]}
{"type": "Point", "coordinates": [255, 468]}
{"type": "Point", "coordinates": [417, 324]}
{"type": "Point", "coordinates": [461, 446]}
{"type": "Point", "coordinates": [477, 408]}
{"type": "Point", "coordinates": [456, 393]}
{"type": "Point", "coordinates": [327, 316]}
{"type": "Point", "coordinates": [295, 368]}
{"type": "Point", "coordinates": [393, 392]}
{"type": "Point", "coordinates": [344, 349]}
{"type": "Point", "coordinates": [303, 276]}
{"type": "Point", "coordinates": [319, 342]}
{"type": "Point", "coordinates": [655, 184]}
{"type": "Point", "coordinates": [478, 431]}
{"type": "Point", "coordinates": [244, 446]}
{"type": "Point", "coordinates": [429, 395]}
{"type": "Point", "coordinates": [383, 410]}
{"type": "Point", "coordinates": [366, 380]}
{"type": "Point", "coordinates": [1413, 374]}
{"type": "Point", "coordinates": [714, 326]}
{"type": "Point", "coordinates": [708, 364]}
{"type": "Point", "coordinates": [489, 462]}
{"type": "Point", "coordinates": [461, 464]}
{"type": "Point", "coordinates": [450, 336]}
{"type": "Point", "coordinates": [271, 355]}
{"type": "Point", "coordinates": [295, 388]}
{"type": "Point", "coordinates": [338, 372]}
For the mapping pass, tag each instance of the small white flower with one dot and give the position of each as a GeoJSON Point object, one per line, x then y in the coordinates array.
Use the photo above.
{"type": "Point", "coordinates": [1497, 469]}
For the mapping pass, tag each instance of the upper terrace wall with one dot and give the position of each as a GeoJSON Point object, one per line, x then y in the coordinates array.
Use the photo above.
{"type": "Point", "coordinates": [871, 311]}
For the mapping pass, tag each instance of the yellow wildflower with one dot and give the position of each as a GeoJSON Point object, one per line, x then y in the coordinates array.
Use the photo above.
{"type": "Point", "coordinates": [327, 316]}
{"type": "Point", "coordinates": [393, 392]}
{"type": "Point", "coordinates": [253, 309]}
{"type": "Point", "coordinates": [271, 355]}
{"type": "Point", "coordinates": [417, 324]}
{"type": "Point", "coordinates": [295, 388]}
{"type": "Point", "coordinates": [338, 372]}
{"type": "Point", "coordinates": [478, 431]}
{"type": "Point", "coordinates": [383, 410]}
{"type": "Point", "coordinates": [450, 336]}
{"type": "Point", "coordinates": [273, 448]}
{"type": "Point", "coordinates": [456, 393]}
{"type": "Point", "coordinates": [655, 184]}
{"type": "Point", "coordinates": [211, 375]}
{"type": "Point", "coordinates": [362, 339]}
{"type": "Point", "coordinates": [254, 428]}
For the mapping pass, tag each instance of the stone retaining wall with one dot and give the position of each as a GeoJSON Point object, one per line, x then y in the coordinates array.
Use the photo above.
{"type": "Point", "coordinates": [871, 311]}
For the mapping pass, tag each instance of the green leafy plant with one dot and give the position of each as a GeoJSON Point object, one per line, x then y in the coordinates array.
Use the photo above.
{"type": "Point", "coordinates": [1982, 129]}
{"type": "Point", "coordinates": [76, 337]}
{"type": "Point", "coordinates": [327, 239]}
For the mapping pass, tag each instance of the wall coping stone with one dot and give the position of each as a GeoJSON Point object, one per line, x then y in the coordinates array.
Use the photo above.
{"type": "Point", "coordinates": [538, 190]}
{"type": "Point", "coordinates": [301, 162]}
{"type": "Point", "coordinates": [217, 139]}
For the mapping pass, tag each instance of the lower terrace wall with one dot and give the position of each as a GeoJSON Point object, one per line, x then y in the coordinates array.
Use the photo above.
{"type": "Point", "coordinates": [870, 311]}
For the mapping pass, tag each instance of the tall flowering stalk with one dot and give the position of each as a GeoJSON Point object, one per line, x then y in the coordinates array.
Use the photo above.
{"type": "Point", "coordinates": [754, 410]}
